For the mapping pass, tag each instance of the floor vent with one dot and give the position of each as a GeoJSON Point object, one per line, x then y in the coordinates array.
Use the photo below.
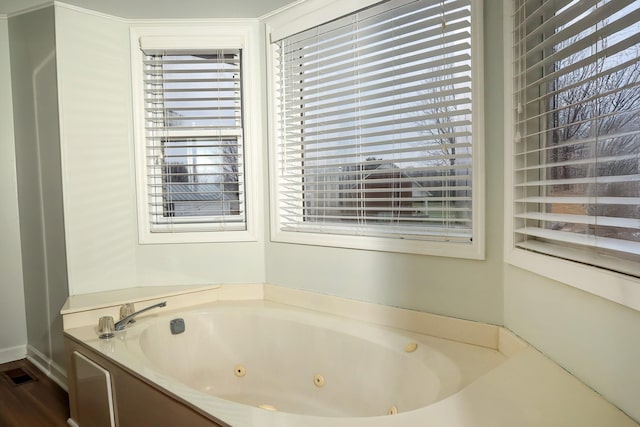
{"type": "Point", "coordinates": [18, 376]}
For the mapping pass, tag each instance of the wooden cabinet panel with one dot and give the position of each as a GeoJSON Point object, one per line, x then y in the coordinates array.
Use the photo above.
{"type": "Point", "coordinates": [139, 404]}
{"type": "Point", "coordinates": [136, 402]}
{"type": "Point", "coordinates": [94, 396]}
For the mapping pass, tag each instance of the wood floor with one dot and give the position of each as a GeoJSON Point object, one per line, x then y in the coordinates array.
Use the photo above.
{"type": "Point", "coordinates": [37, 403]}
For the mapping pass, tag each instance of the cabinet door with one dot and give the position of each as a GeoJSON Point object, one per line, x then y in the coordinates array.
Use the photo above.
{"type": "Point", "coordinates": [95, 400]}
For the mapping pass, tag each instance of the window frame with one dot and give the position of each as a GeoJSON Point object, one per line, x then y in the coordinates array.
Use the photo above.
{"type": "Point", "coordinates": [617, 287]}
{"type": "Point", "coordinates": [189, 37]}
{"type": "Point", "coordinates": [302, 16]}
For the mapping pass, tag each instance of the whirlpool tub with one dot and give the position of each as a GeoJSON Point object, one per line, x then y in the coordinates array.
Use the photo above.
{"type": "Point", "coordinates": [267, 364]}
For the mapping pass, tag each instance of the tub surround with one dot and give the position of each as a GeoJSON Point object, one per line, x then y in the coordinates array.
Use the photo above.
{"type": "Point", "coordinates": [450, 328]}
{"type": "Point", "coordinates": [527, 389]}
{"type": "Point", "coordinates": [86, 309]}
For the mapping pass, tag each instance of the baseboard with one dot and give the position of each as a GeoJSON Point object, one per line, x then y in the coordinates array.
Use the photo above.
{"type": "Point", "coordinates": [13, 353]}
{"type": "Point", "coordinates": [48, 366]}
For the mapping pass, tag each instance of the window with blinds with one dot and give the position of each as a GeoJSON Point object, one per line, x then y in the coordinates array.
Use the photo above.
{"type": "Point", "coordinates": [577, 130]}
{"type": "Point", "coordinates": [374, 123]}
{"type": "Point", "coordinates": [194, 140]}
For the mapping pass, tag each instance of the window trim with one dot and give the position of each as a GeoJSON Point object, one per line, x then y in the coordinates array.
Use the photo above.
{"type": "Point", "coordinates": [613, 286]}
{"type": "Point", "coordinates": [242, 34]}
{"type": "Point", "coordinates": [302, 16]}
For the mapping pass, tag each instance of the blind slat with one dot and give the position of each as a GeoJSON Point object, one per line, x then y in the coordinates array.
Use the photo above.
{"type": "Point", "coordinates": [347, 95]}
{"type": "Point", "coordinates": [587, 180]}
{"type": "Point", "coordinates": [439, 128]}
{"type": "Point", "coordinates": [579, 162]}
{"type": "Point", "coordinates": [584, 240]}
{"type": "Point", "coordinates": [581, 200]}
{"type": "Point", "coordinates": [582, 219]}
{"type": "Point", "coordinates": [388, 110]}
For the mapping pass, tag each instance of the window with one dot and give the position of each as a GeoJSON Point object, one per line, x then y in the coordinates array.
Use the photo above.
{"type": "Point", "coordinates": [376, 142]}
{"type": "Point", "coordinates": [194, 138]}
{"type": "Point", "coordinates": [576, 104]}
{"type": "Point", "coordinates": [571, 150]}
{"type": "Point", "coordinates": [191, 151]}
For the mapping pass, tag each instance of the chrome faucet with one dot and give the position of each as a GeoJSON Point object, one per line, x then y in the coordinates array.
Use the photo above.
{"type": "Point", "coordinates": [122, 323]}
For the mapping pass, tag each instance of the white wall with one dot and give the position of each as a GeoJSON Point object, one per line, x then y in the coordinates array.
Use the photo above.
{"type": "Point", "coordinates": [595, 339]}
{"type": "Point", "coordinates": [33, 78]}
{"type": "Point", "coordinates": [99, 181]}
{"type": "Point", "coordinates": [13, 340]}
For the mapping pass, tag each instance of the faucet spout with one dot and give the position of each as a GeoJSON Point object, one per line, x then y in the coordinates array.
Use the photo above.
{"type": "Point", "coordinates": [122, 323]}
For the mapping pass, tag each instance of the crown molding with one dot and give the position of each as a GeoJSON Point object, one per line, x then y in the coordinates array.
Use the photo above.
{"type": "Point", "coordinates": [89, 11]}
{"type": "Point", "coordinates": [280, 10]}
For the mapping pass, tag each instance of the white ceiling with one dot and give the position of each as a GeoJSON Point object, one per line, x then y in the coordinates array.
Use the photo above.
{"type": "Point", "coordinates": [160, 9]}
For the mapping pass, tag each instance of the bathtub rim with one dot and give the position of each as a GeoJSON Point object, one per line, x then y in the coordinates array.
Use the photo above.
{"type": "Point", "coordinates": [85, 309]}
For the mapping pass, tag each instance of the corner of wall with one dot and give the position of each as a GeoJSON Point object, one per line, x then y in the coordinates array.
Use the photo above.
{"type": "Point", "coordinates": [12, 304]}
{"type": "Point", "coordinates": [50, 368]}
{"type": "Point", "coordinates": [37, 143]}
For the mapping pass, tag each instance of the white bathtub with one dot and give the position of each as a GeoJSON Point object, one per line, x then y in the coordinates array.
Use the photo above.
{"type": "Point", "coordinates": [262, 363]}
{"type": "Point", "coordinates": [365, 367]}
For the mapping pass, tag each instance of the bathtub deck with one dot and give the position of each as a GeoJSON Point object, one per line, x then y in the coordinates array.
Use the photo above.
{"type": "Point", "coordinates": [526, 390]}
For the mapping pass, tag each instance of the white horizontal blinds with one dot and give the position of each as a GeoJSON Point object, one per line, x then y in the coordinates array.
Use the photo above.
{"type": "Point", "coordinates": [375, 123]}
{"type": "Point", "coordinates": [194, 139]}
{"type": "Point", "coordinates": [577, 127]}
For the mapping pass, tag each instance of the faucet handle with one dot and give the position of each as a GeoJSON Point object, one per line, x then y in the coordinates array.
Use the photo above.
{"type": "Point", "coordinates": [127, 310]}
{"type": "Point", "coordinates": [122, 323]}
{"type": "Point", "coordinates": [106, 327]}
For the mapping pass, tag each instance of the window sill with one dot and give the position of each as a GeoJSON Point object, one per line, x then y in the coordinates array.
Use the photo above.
{"type": "Point", "coordinates": [146, 238]}
{"type": "Point", "coordinates": [420, 247]}
{"type": "Point", "coordinates": [616, 287]}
